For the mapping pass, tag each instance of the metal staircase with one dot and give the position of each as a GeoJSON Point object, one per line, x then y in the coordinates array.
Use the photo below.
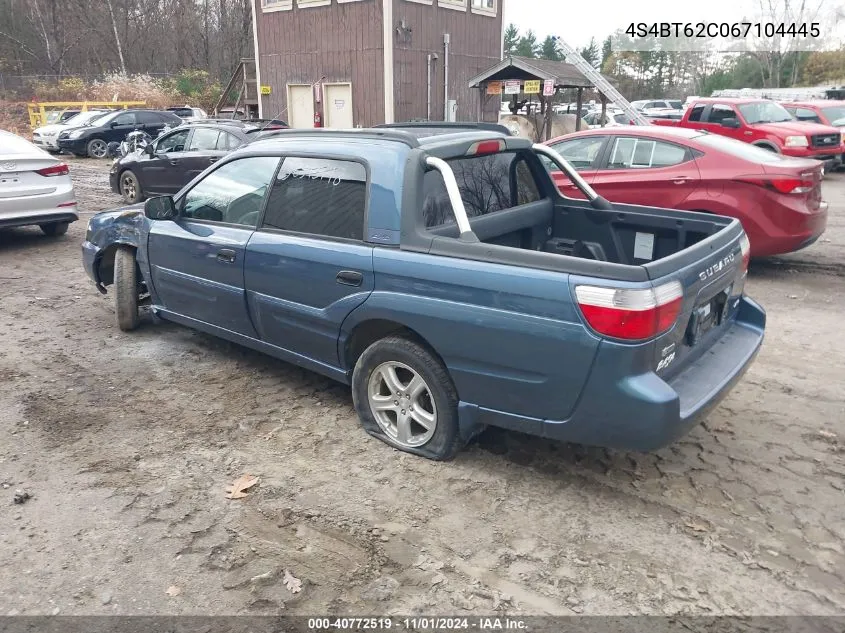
{"type": "Point", "coordinates": [602, 84]}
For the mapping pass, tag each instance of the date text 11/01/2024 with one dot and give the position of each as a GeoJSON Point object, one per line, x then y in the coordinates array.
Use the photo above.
{"type": "Point", "coordinates": [723, 29]}
{"type": "Point", "coordinates": [417, 624]}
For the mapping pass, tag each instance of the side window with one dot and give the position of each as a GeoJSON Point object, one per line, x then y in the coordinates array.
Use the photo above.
{"type": "Point", "coordinates": [318, 197]}
{"type": "Point", "coordinates": [233, 194]}
{"type": "Point", "coordinates": [696, 113]}
{"type": "Point", "coordinates": [125, 118]}
{"type": "Point", "coordinates": [487, 184]}
{"type": "Point", "coordinates": [641, 153]}
{"type": "Point", "coordinates": [227, 141]}
{"type": "Point", "coordinates": [805, 114]}
{"type": "Point", "coordinates": [203, 139]}
{"type": "Point", "coordinates": [173, 143]}
{"type": "Point", "coordinates": [148, 118]}
{"type": "Point", "coordinates": [721, 112]}
{"type": "Point", "coordinates": [582, 152]}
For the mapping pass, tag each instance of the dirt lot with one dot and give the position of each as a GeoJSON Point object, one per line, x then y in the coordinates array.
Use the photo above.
{"type": "Point", "coordinates": [126, 443]}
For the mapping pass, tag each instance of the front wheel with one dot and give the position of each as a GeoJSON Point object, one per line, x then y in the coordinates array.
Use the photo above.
{"type": "Point", "coordinates": [130, 188]}
{"type": "Point", "coordinates": [126, 288]}
{"type": "Point", "coordinates": [54, 229]}
{"type": "Point", "coordinates": [404, 396]}
{"type": "Point", "coordinates": [97, 148]}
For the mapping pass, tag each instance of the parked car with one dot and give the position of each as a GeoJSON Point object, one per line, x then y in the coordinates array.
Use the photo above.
{"type": "Point", "coordinates": [765, 124]}
{"type": "Point", "coordinates": [35, 188]}
{"type": "Point", "coordinates": [778, 199]}
{"type": "Point", "coordinates": [47, 136]}
{"type": "Point", "coordinates": [187, 113]}
{"type": "Point", "coordinates": [449, 283]}
{"type": "Point", "coordinates": [611, 119]}
{"type": "Point", "coordinates": [177, 157]}
{"type": "Point", "coordinates": [92, 138]}
{"type": "Point", "coordinates": [60, 116]}
{"type": "Point", "coordinates": [645, 105]}
{"type": "Point", "coordinates": [830, 113]}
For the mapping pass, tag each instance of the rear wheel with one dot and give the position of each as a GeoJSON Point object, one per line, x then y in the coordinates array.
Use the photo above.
{"type": "Point", "coordinates": [130, 188]}
{"type": "Point", "coordinates": [54, 228]}
{"type": "Point", "coordinates": [97, 148]}
{"type": "Point", "coordinates": [126, 288]}
{"type": "Point", "coordinates": [404, 396]}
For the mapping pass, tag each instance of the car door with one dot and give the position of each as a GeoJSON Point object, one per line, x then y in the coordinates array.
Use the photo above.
{"type": "Point", "coordinates": [307, 266]}
{"type": "Point", "coordinates": [647, 171]}
{"type": "Point", "coordinates": [583, 153]}
{"type": "Point", "coordinates": [117, 129]}
{"type": "Point", "coordinates": [197, 261]}
{"type": "Point", "coordinates": [718, 113]}
{"type": "Point", "coordinates": [202, 151]}
{"type": "Point", "coordinates": [163, 172]}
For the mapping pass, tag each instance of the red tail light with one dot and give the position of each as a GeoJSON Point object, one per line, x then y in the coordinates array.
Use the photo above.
{"type": "Point", "coordinates": [783, 184]}
{"type": "Point", "coordinates": [631, 314]}
{"type": "Point", "coordinates": [56, 170]}
{"type": "Point", "coordinates": [486, 147]}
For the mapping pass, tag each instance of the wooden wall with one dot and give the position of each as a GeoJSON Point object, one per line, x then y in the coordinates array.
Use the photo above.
{"type": "Point", "coordinates": [344, 42]}
{"type": "Point", "coordinates": [476, 43]}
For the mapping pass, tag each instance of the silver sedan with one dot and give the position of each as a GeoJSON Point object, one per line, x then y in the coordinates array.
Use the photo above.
{"type": "Point", "coordinates": [35, 188]}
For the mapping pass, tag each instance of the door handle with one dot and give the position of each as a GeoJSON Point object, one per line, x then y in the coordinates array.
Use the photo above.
{"type": "Point", "coordinates": [679, 181]}
{"type": "Point", "coordinates": [213, 159]}
{"type": "Point", "coordinates": [350, 278]}
{"type": "Point", "coordinates": [226, 255]}
{"type": "Point", "coordinates": [174, 161]}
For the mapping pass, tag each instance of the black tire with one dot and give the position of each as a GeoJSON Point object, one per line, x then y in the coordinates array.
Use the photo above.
{"type": "Point", "coordinates": [130, 188]}
{"type": "Point", "coordinates": [126, 288]}
{"type": "Point", "coordinates": [54, 229]}
{"type": "Point", "coordinates": [446, 441]}
{"type": "Point", "coordinates": [97, 148]}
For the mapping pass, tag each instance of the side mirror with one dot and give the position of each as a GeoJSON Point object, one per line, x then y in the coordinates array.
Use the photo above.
{"type": "Point", "coordinates": [730, 122]}
{"type": "Point", "coordinates": [149, 150]}
{"type": "Point", "coordinates": [113, 124]}
{"type": "Point", "coordinates": [160, 208]}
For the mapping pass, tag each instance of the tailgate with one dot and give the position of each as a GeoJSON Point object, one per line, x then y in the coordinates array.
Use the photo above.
{"type": "Point", "coordinates": [713, 278]}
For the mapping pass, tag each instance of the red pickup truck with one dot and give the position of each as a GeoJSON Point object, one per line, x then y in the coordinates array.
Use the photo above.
{"type": "Point", "coordinates": [766, 124]}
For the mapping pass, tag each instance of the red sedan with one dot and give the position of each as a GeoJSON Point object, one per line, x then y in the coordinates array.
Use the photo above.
{"type": "Point", "coordinates": [778, 199]}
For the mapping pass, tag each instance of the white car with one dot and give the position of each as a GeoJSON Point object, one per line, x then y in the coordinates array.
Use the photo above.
{"type": "Point", "coordinates": [611, 119]}
{"type": "Point", "coordinates": [187, 113]}
{"type": "Point", "coordinates": [47, 136]}
{"type": "Point", "coordinates": [35, 188]}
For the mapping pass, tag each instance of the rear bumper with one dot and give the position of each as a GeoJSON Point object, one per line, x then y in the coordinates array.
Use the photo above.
{"type": "Point", "coordinates": [645, 412]}
{"type": "Point", "coordinates": [784, 230]}
{"type": "Point", "coordinates": [41, 217]}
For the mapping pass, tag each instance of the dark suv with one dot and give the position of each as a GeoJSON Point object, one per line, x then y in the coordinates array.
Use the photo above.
{"type": "Point", "coordinates": [93, 139]}
{"type": "Point", "coordinates": [172, 161]}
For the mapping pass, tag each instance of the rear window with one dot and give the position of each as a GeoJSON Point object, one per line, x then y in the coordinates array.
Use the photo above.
{"type": "Point", "coordinates": [487, 184]}
{"type": "Point", "coordinates": [746, 151]}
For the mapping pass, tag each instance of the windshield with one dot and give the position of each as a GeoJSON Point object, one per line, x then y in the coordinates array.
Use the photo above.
{"type": "Point", "coordinates": [764, 112]}
{"type": "Point", "coordinates": [836, 115]}
{"type": "Point", "coordinates": [675, 105]}
{"type": "Point", "coordinates": [84, 118]}
{"type": "Point", "coordinates": [182, 112]}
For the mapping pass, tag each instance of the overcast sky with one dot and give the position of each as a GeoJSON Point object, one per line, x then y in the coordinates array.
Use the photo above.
{"type": "Point", "coordinates": [576, 22]}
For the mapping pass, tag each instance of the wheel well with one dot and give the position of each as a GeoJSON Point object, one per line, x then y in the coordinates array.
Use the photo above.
{"type": "Point", "coordinates": [768, 146]}
{"type": "Point", "coordinates": [105, 268]}
{"type": "Point", "coordinates": [366, 333]}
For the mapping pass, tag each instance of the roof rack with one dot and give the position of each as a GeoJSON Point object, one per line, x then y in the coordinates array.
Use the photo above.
{"type": "Point", "coordinates": [458, 125]}
{"type": "Point", "coordinates": [367, 133]}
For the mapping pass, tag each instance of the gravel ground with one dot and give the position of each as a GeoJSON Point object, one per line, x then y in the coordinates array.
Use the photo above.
{"type": "Point", "coordinates": [126, 443]}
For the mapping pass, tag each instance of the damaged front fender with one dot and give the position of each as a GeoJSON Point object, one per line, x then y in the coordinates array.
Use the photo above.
{"type": "Point", "coordinates": [127, 226]}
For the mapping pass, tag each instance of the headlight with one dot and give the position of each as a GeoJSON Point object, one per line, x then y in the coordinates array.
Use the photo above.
{"type": "Point", "coordinates": [78, 133]}
{"type": "Point", "coordinates": [796, 141]}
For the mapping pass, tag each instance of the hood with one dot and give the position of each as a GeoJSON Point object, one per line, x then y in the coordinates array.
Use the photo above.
{"type": "Point", "coordinates": [50, 130]}
{"type": "Point", "coordinates": [796, 127]}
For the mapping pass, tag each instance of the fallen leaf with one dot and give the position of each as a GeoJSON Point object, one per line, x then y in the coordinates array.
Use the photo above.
{"type": "Point", "coordinates": [173, 591]}
{"type": "Point", "coordinates": [294, 585]}
{"type": "Point", "coordinates": [242, 483]}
